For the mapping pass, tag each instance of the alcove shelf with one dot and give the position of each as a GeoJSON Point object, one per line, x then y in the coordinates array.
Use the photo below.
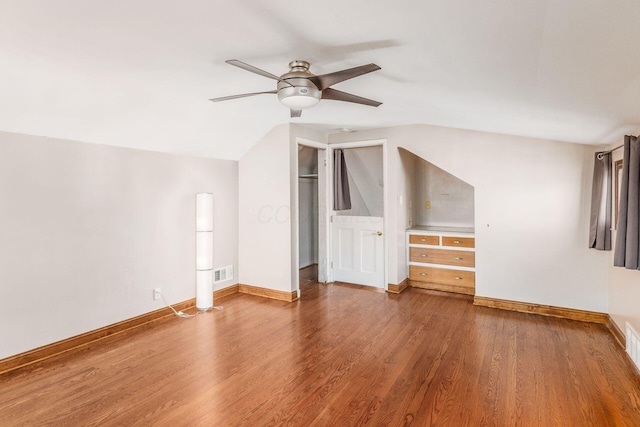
{"type": "Point", "coordinates": [440, 239]}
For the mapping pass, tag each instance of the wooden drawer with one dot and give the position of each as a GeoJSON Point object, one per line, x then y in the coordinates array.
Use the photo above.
{"type": "Point", "coordinates": [418, 239]}
{"type": "Point", "coordinates": [442, 276]}
{"type": "Point", "coordinates": [462, 242]}
{"type": "Point", "coordinates": [443, 256]}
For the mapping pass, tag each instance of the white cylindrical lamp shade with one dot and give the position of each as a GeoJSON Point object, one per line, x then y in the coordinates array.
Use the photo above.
{"type": "Point", "coordinates": [204, 289]}
{"type": "Point", "coordinates": [204, 212]}
{"type": "Point", "coordinates": [204, 251]}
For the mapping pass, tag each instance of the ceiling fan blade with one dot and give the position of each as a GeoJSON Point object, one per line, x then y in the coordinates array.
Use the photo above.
{"type": "Point", "coordinates": [323, 81]}
{"type": "Point", "coordinates": [255, 70]}
{"type": "Point", "coordinates": [296, 113]}
{"type": "Point", "coordinates": [226, 98]}
{"type": "Point", "coordinates": [338, 95]}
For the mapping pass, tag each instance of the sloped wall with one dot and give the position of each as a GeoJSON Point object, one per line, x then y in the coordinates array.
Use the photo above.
{"type": "Point", "coordinates": [441, 198]}
{"type": "Point", "coordinates": [364, 166]}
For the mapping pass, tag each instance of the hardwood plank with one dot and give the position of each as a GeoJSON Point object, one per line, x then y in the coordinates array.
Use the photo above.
{"type": "Point", "coordinates": [308, 274]}
{"type": "Point", "coordinates": [337, 356]}
{"type": "Point", "coordinates": [78, 341]}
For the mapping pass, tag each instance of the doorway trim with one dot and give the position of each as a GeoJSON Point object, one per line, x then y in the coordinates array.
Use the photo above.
{"type": "Point", "coordinates": [323, 232]}
{"type": "Point", "coordinates": [385, 200]}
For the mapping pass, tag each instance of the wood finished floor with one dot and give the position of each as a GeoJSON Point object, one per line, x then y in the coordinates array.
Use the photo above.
{"type": "Point", "coordinates": [339, 356]}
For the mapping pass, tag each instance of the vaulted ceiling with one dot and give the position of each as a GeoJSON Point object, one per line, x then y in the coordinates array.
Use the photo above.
{"type": "Point", "coordinates": [139, 73]}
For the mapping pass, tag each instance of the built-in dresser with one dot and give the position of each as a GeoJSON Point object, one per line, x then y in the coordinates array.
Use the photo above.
{"type": "Point", "coordinates": [442, 258]}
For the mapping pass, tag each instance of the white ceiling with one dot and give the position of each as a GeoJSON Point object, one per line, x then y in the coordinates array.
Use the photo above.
{"type": "Point", "coordinates": [138, 73]}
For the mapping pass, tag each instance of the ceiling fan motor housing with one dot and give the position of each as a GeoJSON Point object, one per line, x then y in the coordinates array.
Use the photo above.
{"type": "Point", "coordinates": [297, 91]}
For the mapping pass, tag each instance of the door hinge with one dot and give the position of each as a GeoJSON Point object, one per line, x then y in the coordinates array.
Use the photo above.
{"type": "Point", "coordinates": [325, 162]}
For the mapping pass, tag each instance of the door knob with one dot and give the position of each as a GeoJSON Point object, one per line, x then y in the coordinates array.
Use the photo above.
{"type": "Point", "coordinates": [379, 233]}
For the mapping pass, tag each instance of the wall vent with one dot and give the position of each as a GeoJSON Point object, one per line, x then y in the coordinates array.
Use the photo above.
{"type": "Point", "coordinates": [633, 344]}
{"type": "Point", "coordinates": [222, 274]}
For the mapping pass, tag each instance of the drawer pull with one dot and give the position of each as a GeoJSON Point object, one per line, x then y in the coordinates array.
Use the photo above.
{"type": "Point", "coordinates": [423, 255]}
{"type": "Point", "coordinates": [458, 278]}
{"type": "Point", "coordinates": [458, 258]}
{"type": "Point", "coordinates": [423, 240]}
{"type": "Point", "coordinates": [423, 274]}
{"type": "Point", "coordinates": [457, 242]}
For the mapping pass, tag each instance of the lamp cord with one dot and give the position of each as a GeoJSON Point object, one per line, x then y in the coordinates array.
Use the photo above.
{"type": "Point", "coordinates": [177, 313]}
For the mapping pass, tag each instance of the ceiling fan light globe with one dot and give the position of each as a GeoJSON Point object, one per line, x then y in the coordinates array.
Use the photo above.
{"type": "Point", "coordinates": [298, 93]}
{"type": "Point", "coordinates": [299, 102]}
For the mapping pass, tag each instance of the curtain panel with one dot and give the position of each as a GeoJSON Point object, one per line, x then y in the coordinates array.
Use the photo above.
{"type": "Point", "coordinates": [627, 250]}
{"type": "Point", "coordinates": [600, 224]}
{"type": "Point", "coordinates": [341, 194]}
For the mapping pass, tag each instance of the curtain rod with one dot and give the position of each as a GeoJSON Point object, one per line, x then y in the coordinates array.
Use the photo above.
{"type": "Point", "coordinates": [602, 153]}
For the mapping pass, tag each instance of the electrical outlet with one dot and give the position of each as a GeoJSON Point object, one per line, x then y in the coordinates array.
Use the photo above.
{"type": "Point", "coordinates": [157, 293]}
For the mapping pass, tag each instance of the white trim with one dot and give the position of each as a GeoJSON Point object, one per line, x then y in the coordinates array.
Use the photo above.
{"type": "Point", "coordinates": [442, 266]}
{"type": "Point", "coordinates": [310, 143]}
{"type": "Point", "coordinates": [295, 221]}
{"type": "Point", "coordinates": [359, 144]}
{"type": "Point", "coordinates": [385, 200]}
{"type": "Point", "coordinates": [296, 200]}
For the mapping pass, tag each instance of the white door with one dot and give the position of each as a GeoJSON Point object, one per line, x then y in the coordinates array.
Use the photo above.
{"type": "Point", "coordinates": [358, 250]}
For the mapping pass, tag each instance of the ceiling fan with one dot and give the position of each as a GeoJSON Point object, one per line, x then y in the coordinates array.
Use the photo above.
{"type": "Point", "coordinates": [299, 89]}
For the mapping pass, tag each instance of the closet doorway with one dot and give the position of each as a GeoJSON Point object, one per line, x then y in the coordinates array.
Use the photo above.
{"type": "Point", "coordinates": [312, 214]}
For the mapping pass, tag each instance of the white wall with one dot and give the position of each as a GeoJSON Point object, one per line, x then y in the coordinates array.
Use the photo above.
{"type": "Point", "coordinates": [624, 285]}
{"type": "Point", "coordinates": [265, 214]}
{"type": "Point", "coordinates": [531, 211]}
{"type": "Point", "coordinates": [451, 199]}
{"type": "Point", "coordinates": [87, 231]}
{"type": "Point", "coordinates": [268, 182]}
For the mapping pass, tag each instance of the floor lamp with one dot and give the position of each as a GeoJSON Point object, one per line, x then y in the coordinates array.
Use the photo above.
{"type": "Point", "coordinates": [204, 252]}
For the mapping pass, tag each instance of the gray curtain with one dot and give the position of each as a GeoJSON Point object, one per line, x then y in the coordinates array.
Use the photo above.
{"type": "Point", "coordinates": [600, 225]}
{"type": "Point", "coordinates": [627, 237]}
{"type": "Point", "coordinates": [341, 195]}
